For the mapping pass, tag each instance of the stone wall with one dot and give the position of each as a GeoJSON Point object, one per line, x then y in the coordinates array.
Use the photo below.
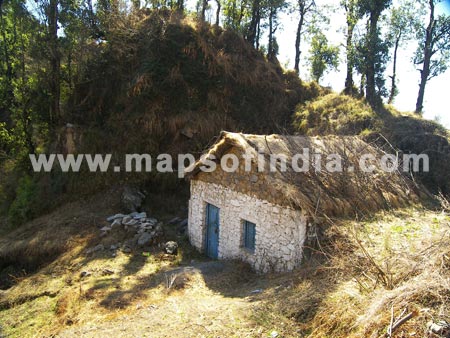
{"type": "Point", "coordinates": [280, 231]}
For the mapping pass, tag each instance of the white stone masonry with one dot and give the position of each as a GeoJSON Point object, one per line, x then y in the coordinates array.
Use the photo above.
{"type": "Point", "coordinates": [280, 231]}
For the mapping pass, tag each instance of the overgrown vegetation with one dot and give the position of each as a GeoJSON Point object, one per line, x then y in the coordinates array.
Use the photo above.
{"type": "Point", "coordinates": [388, 128]}
{"type": "Point", "coordinates": [353, 279]}
{"type": "Point", "coordinates": [364, 273]}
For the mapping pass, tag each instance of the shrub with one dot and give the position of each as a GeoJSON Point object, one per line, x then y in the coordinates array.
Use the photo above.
{"type": "Point", "coordinates": [335, 114]}
{"type": "Point", "coordinates": [22, 208]}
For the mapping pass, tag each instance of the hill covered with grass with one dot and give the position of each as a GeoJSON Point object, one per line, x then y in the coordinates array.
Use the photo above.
{"type": "Point", "coordinates": [394, 131]}
{"type": "Point", "coordinates": [170, 83]}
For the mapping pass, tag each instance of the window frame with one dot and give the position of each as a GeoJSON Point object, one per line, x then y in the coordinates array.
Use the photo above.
{"type": "Point", "coordinates": [248, 239]}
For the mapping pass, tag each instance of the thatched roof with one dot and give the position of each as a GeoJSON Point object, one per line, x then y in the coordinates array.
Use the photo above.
{"type": "Point", "coordinates": [321, 193]}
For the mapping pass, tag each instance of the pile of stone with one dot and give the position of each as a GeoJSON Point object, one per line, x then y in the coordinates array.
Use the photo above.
{"type": "Point", "coordinates": [147, 229]}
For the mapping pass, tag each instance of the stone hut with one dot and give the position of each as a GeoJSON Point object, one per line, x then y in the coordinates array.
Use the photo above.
{"type": "Point", "coordinates": [262, 213]}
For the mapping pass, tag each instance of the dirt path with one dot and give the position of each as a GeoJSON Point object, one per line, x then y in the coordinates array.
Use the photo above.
{"type": "Point", "coordinates": [181, 316]}
{"type": "Point", "coordinates": [196, 310]}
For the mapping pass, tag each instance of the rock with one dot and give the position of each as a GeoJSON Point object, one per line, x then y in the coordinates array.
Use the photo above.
{"type": "Point", "coordinates": [171, 248]}
{"type": "Point", "coordinates": [174, 220]}
{"type": "Point", "coordinates": [183, 223]}
{"type": "Point", "coordinates": [150, 220]}
{"type": "Point", "coordinates": [441, 328]}
{"type": "Point", "coordinates": [132, 199]}
{"type": "Point", "coordinates": [126, 249]}
{"type": "Point", "coordinates": [146, 225]}
{"type": "Point", "coordinates": [114, 217]}
{"type": "Point", "coordinates": [106, 272]}
{"type": "Point", "coordinates": [188, 132]}
{"type": "Point", "coordinates": [106, 229]}
{"type": "Point", "coordinates": [85, 274]}
{"type": "Point", "coordinates": [144, 239]}
{"type": "Point", "coordinates": [182, 226]}
{"type": "Point", "coordinates": [159, 229]}
{"type": "Point", "coordinates": [96, 248]}
{"type": "Point", "coordinates": [254, 179]}
{"type": "Point", "coordinates": [114, 247]}
{"type": "Point", "coordinates": [131, 222]}
{"type": "Point", "coordinates": [274, 334]}
{"type": "Point", "coordinates": [141, 215]}
{"type": "Point", "coordinates": [126, 219]}
{"type": "Point", "coordinates": [116, 222]}
{"type": "Point", "coordinates": [256, 291]}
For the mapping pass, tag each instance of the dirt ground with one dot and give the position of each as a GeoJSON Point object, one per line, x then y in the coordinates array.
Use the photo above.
{"type": "Point", "coordinates": [54, 287]}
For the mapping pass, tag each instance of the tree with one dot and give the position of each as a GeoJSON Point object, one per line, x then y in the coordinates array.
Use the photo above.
{"type": "Point", "coordinates": [375, 50]}
{"type": "Point", "coordinates": [304, 8]}
{"type": "Point", "coordinates": [274, 7]}
{"type": "Point", "coordinates": [255, 22]}
{"type": "Point", "coordinates": [204, 6]}
{"type": "Point", "coordinates": [219, 5]}
{"type": "Point", "coordinates": [236, 14]}
{"type": "Point", "coordinates": [352, 18]}
{"type": "Point", "coordinates": [401, 27]}
{"type": "Point", "coordinates": [433, 53]}
{"type": "Point", "coordinates": [52, 12]}
{"type": "Point", "coordinates": [21, 95]}
{"type": "Point", "coordinates": [323, 56]}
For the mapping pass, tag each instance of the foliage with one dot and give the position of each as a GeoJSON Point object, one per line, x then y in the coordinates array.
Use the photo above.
{"type": "Point", "coordinates": [440, 47]}
{"type": "Point", "coordinates": [345, 115]}
{"type": "Point", "coordinates": [323, 56]}
{"type": "Point", "coordinates": [22, 208]}
{"type": "Point", "coordinates": [433, 51]}
{"type": "Point", "coordinates": [402, 24]}
{"type": "Point", "coordinates": [372, 50]}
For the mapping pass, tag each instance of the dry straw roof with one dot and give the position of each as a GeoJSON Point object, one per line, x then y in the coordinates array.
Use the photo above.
{"type": "Point", "coordinates": [322, 193]}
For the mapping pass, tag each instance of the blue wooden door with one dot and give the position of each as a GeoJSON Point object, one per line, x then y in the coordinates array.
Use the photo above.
{"type": "Point", "coordinates": [212, 231]}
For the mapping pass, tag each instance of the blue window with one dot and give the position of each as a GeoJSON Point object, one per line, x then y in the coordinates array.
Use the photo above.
{"type": "Point", "coordinates": [249, 236]}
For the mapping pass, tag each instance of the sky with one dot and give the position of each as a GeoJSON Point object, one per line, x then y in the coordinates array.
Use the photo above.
{"type": "Point", "coordinates": [436, 105]}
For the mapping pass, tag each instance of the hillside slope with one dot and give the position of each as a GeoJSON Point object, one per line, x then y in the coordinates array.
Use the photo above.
{"type": "Point", "coordinates": [393, 131]}
{"type": "Point", "coordinates": [347, 287]}
{"type": "Point", "coordinates": [176, 83]}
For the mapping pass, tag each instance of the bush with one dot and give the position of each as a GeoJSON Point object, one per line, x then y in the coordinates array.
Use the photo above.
{"type": "Point", "coordinates": [335, 114]}
{"type": "Point", "coordinates": [23, 206]}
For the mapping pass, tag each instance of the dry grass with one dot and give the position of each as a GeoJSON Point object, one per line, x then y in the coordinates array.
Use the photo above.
{"type": "Point", "coordinates": [343, 295]}
{"type": "Point", "coordinates": [338, 292]}
{"type": "Point", "coordinates": [319, 193]}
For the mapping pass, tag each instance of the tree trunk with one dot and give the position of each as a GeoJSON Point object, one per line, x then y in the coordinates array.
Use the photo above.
{"type": "Point", "coordinates": [298, 39]}
{"type": "Point", "coordinates": [270, 46]}
{"type": "Point", "coordinates": [252, 29]}
{"type": "Point", "coordinates": [55, 61]}
{"type": "Point", "coordinates": [204, 6]}
{"type": "Point", "coordinates": [258, 35]}
{"type": "Point", "coordinates": [349, 84]}
{"type": "Point", "coordinates": [218, 12]}
{"type": "Point", "coordinates": [394, 71]}
{"type": "Point", "coordinates": [27, 123]}
{"type": "Point", "coordinates": [371, 94]}
{"type": "Point", "coordinates": [180, 6]}
{"type": "Point", "coordinates": [362, 85]}
{"type": "Point", "coordinates": [425, 71]}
